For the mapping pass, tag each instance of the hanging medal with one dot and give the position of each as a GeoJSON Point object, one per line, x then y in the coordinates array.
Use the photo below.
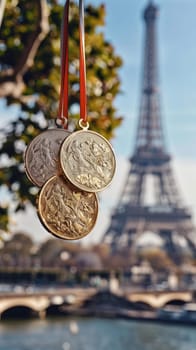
{"type": "Point", "coordinates": [42, 154]}
{"type": "Point", "coordinates": [66, 211]}
{"type": "Point", "coordinates": [87, 158]}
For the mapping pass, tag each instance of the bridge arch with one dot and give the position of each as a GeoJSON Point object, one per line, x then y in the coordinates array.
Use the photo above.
{"type": "Point", "coordinates": [17, 312]}
{"type": "Point", "coordinates": [175, 302]}
{"type": "Point", "coordinates": [159, 300]}
{"type": "Point", "coordinates": [37, 305]}
{"type": "Point", "coordinates": [143, 305]}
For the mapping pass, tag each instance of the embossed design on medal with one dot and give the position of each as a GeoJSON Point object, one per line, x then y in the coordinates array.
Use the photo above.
{"type": "Point", "coordinates": [66, 211]}
{"type": "Point", "coordinates": [42, 155]}
{"type": "Point", "coordinates": [87, 160]}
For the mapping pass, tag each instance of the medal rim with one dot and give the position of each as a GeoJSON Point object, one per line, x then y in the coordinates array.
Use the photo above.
{"type": "Point", "coordinates": [44, 222]}
{"type": "Point", "coordinates": [69, 178]}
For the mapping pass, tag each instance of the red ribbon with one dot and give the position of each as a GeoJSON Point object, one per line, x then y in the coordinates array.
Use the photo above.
{"type": "Point", "coordinates": [64, 89]}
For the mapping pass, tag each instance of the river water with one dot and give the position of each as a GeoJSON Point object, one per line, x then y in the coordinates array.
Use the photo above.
{"type": "Point", "coordinates": [94, 334]}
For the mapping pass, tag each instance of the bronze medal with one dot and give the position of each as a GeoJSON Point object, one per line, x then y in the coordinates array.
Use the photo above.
{"type": "Point", "coordinates": [65, 211]}
{"type": "Point", "coordinates": [87, 160]}
{"type": "Point", "coordinates": [42, 155]}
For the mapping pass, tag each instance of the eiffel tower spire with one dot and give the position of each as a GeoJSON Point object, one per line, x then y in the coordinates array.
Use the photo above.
{"type": "Point", "coordinates": [149, 133]}
{"type": "Point", "coordinates": [150, 199]}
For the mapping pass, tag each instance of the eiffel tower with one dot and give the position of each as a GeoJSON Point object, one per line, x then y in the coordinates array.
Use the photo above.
{"type": "Point", "coordinates": [150, 200]}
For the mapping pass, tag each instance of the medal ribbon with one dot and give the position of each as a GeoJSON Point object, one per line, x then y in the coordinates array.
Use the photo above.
{"type": "Point", "coordinates": [64, 89]}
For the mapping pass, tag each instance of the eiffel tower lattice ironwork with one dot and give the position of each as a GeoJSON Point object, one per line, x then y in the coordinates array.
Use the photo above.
{"type": "Point", "coordinates": [150, 200]}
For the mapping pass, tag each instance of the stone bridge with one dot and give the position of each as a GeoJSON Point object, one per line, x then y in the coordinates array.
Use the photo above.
{"type": "Point", "coordinates": [159, 299]}
{"type": "Point", "coordinates": [40, 302]}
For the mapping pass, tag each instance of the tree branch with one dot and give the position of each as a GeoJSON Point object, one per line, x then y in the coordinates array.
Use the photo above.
{"type": "Point", "coordinates": [2, 10]}
{"type": "Point", "coordinates": [12, 83]}
{"type": "Point", "coordinates": [35, 39]}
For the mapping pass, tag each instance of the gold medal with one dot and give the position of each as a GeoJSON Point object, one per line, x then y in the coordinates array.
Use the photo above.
{"type": "Point", "coordinates": [42, 155]}
{"type": "Point", "coordinates": [87, 160]}
{"type": "Point", "coordinates": [65, 211]}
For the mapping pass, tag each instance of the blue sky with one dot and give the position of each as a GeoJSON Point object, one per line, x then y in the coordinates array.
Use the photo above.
{"type": "Point", "coordinates": [177, 66]}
